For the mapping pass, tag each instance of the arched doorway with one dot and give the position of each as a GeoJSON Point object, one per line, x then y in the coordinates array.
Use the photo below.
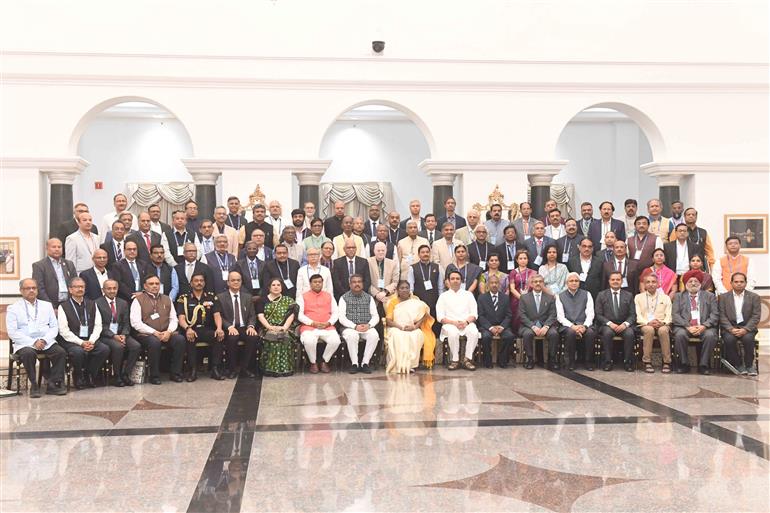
{"type": "Point", "coordinates": [128, 142]}
{"type": "Point", "coordinates": [605, 148]}
{"type": "Point", "coordinates": [380, 144]}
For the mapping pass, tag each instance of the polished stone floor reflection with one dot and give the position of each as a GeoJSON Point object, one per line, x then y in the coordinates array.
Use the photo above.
{"type": "Point", "coordinates": [493, 440]}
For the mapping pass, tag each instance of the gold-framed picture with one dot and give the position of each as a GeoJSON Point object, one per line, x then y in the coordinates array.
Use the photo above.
{"type": "Point", "coordinates": [9, 258]}
{"type": "Point", "coordinates": [751, 229]}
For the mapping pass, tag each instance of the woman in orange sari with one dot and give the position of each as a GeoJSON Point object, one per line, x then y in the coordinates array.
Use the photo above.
{"type": "Point", "coordinates": [409, 323]}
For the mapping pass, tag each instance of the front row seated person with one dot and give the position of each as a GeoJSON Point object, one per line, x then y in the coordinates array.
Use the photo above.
{"type": "Point", "coordinates": [575, 313]}
{"type": "Point", "coordinates": [318, 314]}
{"type": "Point", "coordinates": [537, 311]}
{"type": "Point", "coordinates": [32, 327]}
{"type": "Point", "coordinates": [277, 313]}
{"type": "Point", "coordinates": [239, 320]}
{"type": "Point", "coordinates": [154, 320]}
{"type": "Point", "coordinates": [495, 321]}
{"type": "Point", "coordinates": [739, 314]}
{"type": "Point", "coordinates": [409, 330]}
{"type": "Point", "coordinates": [457, 312]}
{"type": "Point", "coordinates": [616, 317]}
{"type": "Point", "coordinates": [695, 314]}
{"type": "Point", "coordinates": [653, 314]}
{"type": "Point", "coordinates": [80, 327]}
{"type": "Point", "coordinates": [116, 334]}
{"type": "Point", "coordinates": [358, 317]}
{"type": "Point", "coordinates": [200, 321]}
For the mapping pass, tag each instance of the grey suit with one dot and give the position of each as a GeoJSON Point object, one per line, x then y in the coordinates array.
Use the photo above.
{"type": "Point", "coordinates": [519, 225]}
{"type": "Point", "coordinates": [728, 319]}
{"type": "Point", "coordinates": [47, 282]}
{"type": "Point", "coordinates": [680, 320]}
{"type": "Point", "coordinates": [531, 316]}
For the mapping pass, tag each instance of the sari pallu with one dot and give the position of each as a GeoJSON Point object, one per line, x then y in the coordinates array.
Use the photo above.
{"type": "Point", "coordinates": [278, 348]}
{"type": "Point", "coordinates": [403, 347]}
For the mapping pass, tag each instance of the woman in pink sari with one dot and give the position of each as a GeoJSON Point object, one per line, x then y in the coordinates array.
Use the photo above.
{"type": "Point", "coordinates": [666, 277]}
{"type": "Point", "coordinates": [518, 284]}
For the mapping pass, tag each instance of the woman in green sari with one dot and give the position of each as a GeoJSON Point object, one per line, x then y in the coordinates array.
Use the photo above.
{"type": "Point", "coordinates": [276, 314]}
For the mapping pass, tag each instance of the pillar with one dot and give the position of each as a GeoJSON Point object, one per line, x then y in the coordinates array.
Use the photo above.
{"type": "Point", "coordinates": [205, 190]}
{"type": "Point", "coordinates": [443, 188]}
{"type": "Point", "coordinates": [669, 177]}
{"type": "Point", "coordinates": [668, 191]}
{"type": "Point", "coordinates": [540, 192]}
{"type": "Point", "coordinates": [61, 176]}
{"type": "Point", "coordinates": [309, 181]}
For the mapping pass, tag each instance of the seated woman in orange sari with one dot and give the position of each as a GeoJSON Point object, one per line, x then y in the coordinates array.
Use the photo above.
{"type": "Point", "coordinates": [666, 277]}
{"type": "Point", "coordinates": [409, 323]}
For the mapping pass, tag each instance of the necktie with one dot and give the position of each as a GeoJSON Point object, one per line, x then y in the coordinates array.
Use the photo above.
{"type": "Point", "coordinates": [693, 307]}
{"type": "Point", "coordinates": [190, 270]}
{"type": "Point", "coordinates": [374, 228]}
{"type": "Point", "coordinates": [537, 303]}
{"type": "Point", "coordinates": [430, 238]}
{"type": "Point", "coordinates": [207, 245]}
{"type": "Point", "coordinates": [147, 240]}
{"type": "Point", "coordinates": [615, 303]}
{"type": "Point", "coordinates": [620, 267]}
{"type": "Point", "coordinates": [114, 313]}
{"type": "Point", "coordinates": [134, 271]}
{"type": "Point", "coordinates": [539, 246]}
{"type": "Point", "coordinates": [253, 269]}
{"type": "Point", "coordinates": [236, 312]}
{"type": "Point", "coordinates": [118, 251]}
{"type": "Point", "coordinates": [351, 269]}
{"type": "Point", "coordinates": [494, 301]}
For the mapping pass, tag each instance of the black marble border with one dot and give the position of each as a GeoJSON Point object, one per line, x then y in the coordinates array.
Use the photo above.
{"type": "Point", "coordinates": [700, 423]}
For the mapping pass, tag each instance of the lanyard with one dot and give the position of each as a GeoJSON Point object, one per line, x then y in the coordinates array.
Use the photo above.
{"type": "Point", "coordinates": [176, 236]}
{"type": "Point", "coordinates": [729, 262]}
{"type": "Point", "coordinates": [223, 265]}
{"type": "Point", "coordinates": [697, 232]}
{"type": "Point", "coordinates": [154, 302]}
{"type": "Point", "coordinates": [84, 321]}
{"type": "Point", "coordinates": [29, 319]}
{"type": "Point", "coordinates": [654, 306]}
{"type": "Point", "coordinates": [232, 221]}
{"type": "Point", "coordinates": [524, 277]}
{"type": "Point", "coordinates": [422, 272]}
{"type": "Point", "coordinates": [278, 265]}
{"type": "Point", "coordinates": [486, 251]}
{"type": "Point", "coordinates": [254, 267]}
{"type": "Point", "coordinates": [640, 242]}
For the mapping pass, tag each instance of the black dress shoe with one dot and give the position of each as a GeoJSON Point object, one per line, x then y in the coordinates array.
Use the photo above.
{"type": "Point", "coordinates": [80, 384]}
{"type": "Point", "coordinates": [529, 365]}
{"type": "Point", "coordinates": [353, 369]}
{"type": "Point", "coordinates": [683, 369]}
{"type": "Point", "coordinates": [629, 367]}
{"type": "Point", "coordinates": [232, 374]}
{"type": "Point", "coordinates": [56, 390]}
{"type": "Point", "coordinates": [128, 381]}
{"type": "Point", "coordinates": [589, 366]}
{"type": "Point", "coordinates": [34, 392]}
{"type": "Point", "coordinates": [176, 378]}
{"type": "Point", "coordinates": [155, 381]}
{"type": "Point", "coordinates": [607, 367]}
{"type": "Point", "coordinates": [215, 374]}
{"type": "Point", "coordinates": [704, 370]}
{"type": "Point", "coordinates": [246, 373]}
{"type": "Point", "coordinates": [117, 382]}
{"type": "Point", "coordinates": [90, 381]}
{"type": "Point", "coordinates": [366, 369]}
{"type": "Point", "coordinates": [571, 366]}
{"type": "Point", "coordinates": [554, 366]}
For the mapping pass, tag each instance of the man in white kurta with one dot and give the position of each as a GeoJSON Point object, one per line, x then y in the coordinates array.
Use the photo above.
{"type": "Point", "coordinates": [313, 267]}
{"type": "Point", "coordinates": [457, 311]}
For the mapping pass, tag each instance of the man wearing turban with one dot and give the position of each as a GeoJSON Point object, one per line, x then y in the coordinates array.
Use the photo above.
{"type": "Point", "coordinates": [695, 316]}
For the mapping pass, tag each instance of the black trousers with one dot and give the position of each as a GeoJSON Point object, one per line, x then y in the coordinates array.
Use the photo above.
{"type": "Point", "coordinates": [92, 360]}
{"type": "Point", "coordinates": [551, 338]}
{"type": "Point", "coordinates": [249, 349]}
{"type": "Point", "coordinates": [570, 341]}
{"type": "Point", "coordinates": [120, 354]}
{"type": "Point", "coordinates": [204, 335]}
{"type": "Point", "coordinates": [629, 337]}
{"type": "Point", "coordinates": [57, 356]}
{"type": "Point", "coordinates": [731, 348]}
{"type": "Point", "coordinates": [503, 351]}
{"type": "Point", "coordinates": [153, 346]}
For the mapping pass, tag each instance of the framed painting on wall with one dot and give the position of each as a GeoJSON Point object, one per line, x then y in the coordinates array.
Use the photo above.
{"type": "Point", "coordinates": [751, 229]}
{"type": "Point", "coordinates": [9, 258]}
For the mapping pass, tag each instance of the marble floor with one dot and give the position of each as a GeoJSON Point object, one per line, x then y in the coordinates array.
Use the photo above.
{"type": "Point", "coordinates": [492, 440]}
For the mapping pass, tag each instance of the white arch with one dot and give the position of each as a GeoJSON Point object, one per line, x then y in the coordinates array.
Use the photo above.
{"type": "Point", "coordinates": [649, 128]}
{"type": "Point", "coordinates": [89, 116]}
{"type": "Point", "coordinates": [414, 118]}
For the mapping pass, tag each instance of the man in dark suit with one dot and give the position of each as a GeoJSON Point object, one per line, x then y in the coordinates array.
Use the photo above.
{"type": "Point", "coordinates": [258, 222]}
{"type": "Point", "coordinates": [586, 218]}
{"type": "Point", "coordinates": [239, 322]}
{"type": "Point", "coordinates": [283, 268]}
{"type": "Point", "coordinates": [191, 266]}
{"type": "Point", "coordinates": [131, 273]}
{"type": "Point", "coordinates": [251, 269]}
{"type": "Point", "coordinates": [382, 236]}
{"type": "Point", "coordinates": [346, 266]}
{"type": "Point", "coordinates": [605, 224]}
{"type": "Point", "coordinates": [451, 217]}
{"type": "Point", "coordinates": [480, 249]}
{"type": "Point", "coordinates": [678, 252]}
{"type": "Point", "coordinates": [589, 267]}
{"type": "Point", "coordinates": [414, 215]}
{"type": "Point", "coordinates": [372, 223]}
{"type": "Point", "coordinates": [333, 224]}
{"type": "Point", "coordinates": [173, 240]}
{"type": "Point", "coordinates": [739, 314]}
{"type": "Point", "coordinates": [70, 226]}
{"type": "Point", "coordinates": [695, 314]}
{"type": "Point", "coordinates": [507, 250]}
{"type": "Point", "coordinates": [395, 232]}
{"type": "Point", "coordinates": [145, 238]}
{"type": "Point", "coordinates": [615, 315]}
{"type": "Point", "coordinates": [536, 245]}
{"type": "Point", "coordinates": [116, 334]}
{"type": "Point", "coordinates": [628, 268]}
{"type": "Point", "coordinates": [427, 282]}
{"type": "Point", "coordinates": [52, 274]}
{"type": "Point", "coordinates": [115, 246]}
{"type": "Point", "coordinates": [537, 311]}
{"type": "Point", "coordinates": [430, 233]}
{"type": "Point", "coordinates": [221, 263]}
{"type": "Point", "coordinates": [95, 276]}
{"type": "Point", "coordinates": [495, 321]}
{"type": "Point", "coordinates": [568, 246]}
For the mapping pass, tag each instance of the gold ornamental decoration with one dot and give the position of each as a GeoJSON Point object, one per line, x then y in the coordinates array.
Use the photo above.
{"type": "Point", "coordinates": [496, 197]}
{"type": "Point", "coordinates": [255, 198]}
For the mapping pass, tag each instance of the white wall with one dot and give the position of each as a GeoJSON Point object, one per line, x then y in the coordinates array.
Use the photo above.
{"type": "Point", "coordinates": [604, 160]}
{"type": "Point", "coordinates": [129, 149]}
{"type": "Point", "coordinates": [380, 151]}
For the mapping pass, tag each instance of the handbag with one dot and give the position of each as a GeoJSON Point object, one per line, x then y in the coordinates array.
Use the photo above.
{"type": "Point", "coordinates": [139, 373]}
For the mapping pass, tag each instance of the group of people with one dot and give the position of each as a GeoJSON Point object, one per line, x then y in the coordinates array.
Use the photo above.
{"type": "Point", "coordinates": [230, 285]}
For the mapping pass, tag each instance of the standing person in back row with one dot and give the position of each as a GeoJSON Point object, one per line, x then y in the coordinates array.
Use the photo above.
{"type": "Point", "coordinates": [606, 223]}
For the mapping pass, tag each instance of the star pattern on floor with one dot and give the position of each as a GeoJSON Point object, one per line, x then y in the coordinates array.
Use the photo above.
{"type": "Point", "coordinates": [116, 416]}
{"type": "Point", "coordinates": [540, 398]}
{"type": "Point", "coordinates": [703, 393]}
{"type": "Point", "coordinates": [551, 489]}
